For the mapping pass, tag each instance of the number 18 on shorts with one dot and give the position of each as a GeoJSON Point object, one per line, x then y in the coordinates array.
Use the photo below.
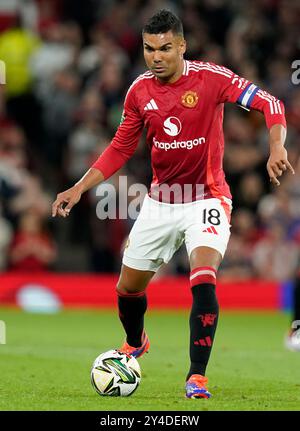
{"type": "Point", "coordinates": [161, 229]}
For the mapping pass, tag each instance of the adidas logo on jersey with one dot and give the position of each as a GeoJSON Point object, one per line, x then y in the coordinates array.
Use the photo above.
{"type": "Point", "coordinates": [151, 105]}
{"type": "Point", "coordinates": [211, 229]}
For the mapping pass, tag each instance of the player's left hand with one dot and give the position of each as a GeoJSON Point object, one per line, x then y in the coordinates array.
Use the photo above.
{"type": "Point", "coordinates": [277, 164]}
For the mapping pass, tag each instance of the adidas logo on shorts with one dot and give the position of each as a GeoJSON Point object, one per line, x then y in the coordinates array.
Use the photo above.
{"type": "Point", "coordinates": [211, 229]}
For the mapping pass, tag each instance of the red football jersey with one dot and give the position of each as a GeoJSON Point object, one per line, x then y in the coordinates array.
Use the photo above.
{"type": "Point", "coordinates": [184, 123]}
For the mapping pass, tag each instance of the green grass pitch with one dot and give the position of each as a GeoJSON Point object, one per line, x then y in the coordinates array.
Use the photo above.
{"type": "Point", "coordinates": [46, 362]}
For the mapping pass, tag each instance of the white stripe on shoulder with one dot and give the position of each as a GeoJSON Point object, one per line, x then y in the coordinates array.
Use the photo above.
{"type": "Point", "coordinates": [146, 75]}
{"type": "Point", "coordinates": [212, 65]}
{"type": "Point", "coordinates": [279, 107]}
{"type": "Point", "coordinates": [199, 69]}
{"type": "Point", "coordinates": [186, 67]}
{"type": "Point", "coordinates": [214, 68]}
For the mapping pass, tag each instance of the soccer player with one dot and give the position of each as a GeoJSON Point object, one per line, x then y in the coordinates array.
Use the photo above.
{"type": "Point", "coordinates": [180, 103]}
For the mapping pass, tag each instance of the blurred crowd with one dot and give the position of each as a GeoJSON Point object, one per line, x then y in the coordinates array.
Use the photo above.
{"type": "Point", "coordinates": [69, 64]}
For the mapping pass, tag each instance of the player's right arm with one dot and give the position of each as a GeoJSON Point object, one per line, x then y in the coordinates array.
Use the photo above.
{"type": "Point", "coordinates": [111, 160]}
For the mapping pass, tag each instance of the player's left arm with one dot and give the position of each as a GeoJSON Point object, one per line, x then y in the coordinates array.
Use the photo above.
{"type": "Point", "coordinates": [278, 159]}
{"type": "Point", "coordinates": [235, 89]}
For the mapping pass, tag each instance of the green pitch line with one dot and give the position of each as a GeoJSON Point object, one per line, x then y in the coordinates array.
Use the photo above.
{"type": "Point", "coordinates": [46, 362]}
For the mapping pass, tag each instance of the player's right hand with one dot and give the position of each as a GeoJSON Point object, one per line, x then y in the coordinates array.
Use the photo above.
{"type": "Point", "coordinates": [65, 201]}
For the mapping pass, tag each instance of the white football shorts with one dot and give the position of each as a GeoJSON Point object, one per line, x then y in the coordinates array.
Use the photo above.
{"type": "Point", "coordinates": [161, 228]}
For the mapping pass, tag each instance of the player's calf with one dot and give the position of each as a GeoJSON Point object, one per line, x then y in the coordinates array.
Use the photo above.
{"type": "Point", "coordinates": [132, 307]}
{"type": "Point", "coordinates": [203, 318]}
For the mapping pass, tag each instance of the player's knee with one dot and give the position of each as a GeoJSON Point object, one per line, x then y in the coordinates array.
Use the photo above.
{"type": "Point", "coordinates": [127, 288]}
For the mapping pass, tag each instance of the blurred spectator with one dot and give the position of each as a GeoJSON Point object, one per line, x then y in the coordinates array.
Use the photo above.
{"type": "Point", "coordinates": [11, 10]}
{"type": "Point", "coordinates": [237, 263]}
{"type": "Point", "coordinates": [56, 52]}
{"type": "Point", "coordinates": [17, 45]}
{"type": "Point", "coordinates": [117, 23]}
{"type": "Point", "coordinates": [32, 248]}
{"type": "Point", "coordinates": [13, 163]}
{"type": "Point", "coordinates": [30, 196]}
{"type": "Point", "coordinates": [109, 83]}
{"type": "Point", "coordinates": [106, 244]}
{"type": "Point", "coordinates": [83, 12]}
{"type": "Point", "coordinates": [16, 48]}
{"type": "Point", "coordinates": [275, 257]}
{"type": "Point", "coordinates": [19, 189]}
{"type": "Point", "coordinates": [103, 49]}
{"type": "Point", "coordinates": [250, 190]}
{"type": "Point", "coordinates": [85, 136]}
{"type": "Point", "coordinates": [5, 238]}
{"type": "Point", "coordinates": [60, 104]}
{"type": "Point", "coordinates": [293, 109]}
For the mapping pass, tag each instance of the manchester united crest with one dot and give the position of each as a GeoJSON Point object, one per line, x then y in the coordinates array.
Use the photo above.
{"type": "Point", "coordinates": [189, 99]}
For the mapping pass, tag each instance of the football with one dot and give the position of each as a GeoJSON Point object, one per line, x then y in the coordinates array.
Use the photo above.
{"type": "Point", "coordinates": [115, 374]}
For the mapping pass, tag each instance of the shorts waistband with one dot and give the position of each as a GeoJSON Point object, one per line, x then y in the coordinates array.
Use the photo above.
{"type": "Point", "coordinates": [226, 199]}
